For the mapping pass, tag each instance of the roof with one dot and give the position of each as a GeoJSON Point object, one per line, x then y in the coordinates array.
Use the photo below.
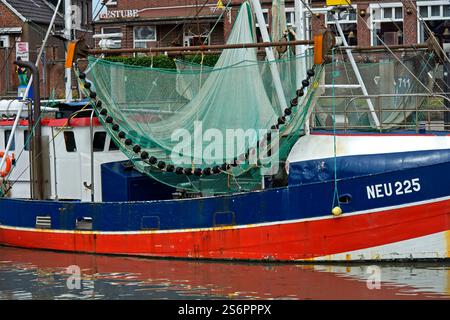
{"type": "Point", "coordinates": [39, 11]}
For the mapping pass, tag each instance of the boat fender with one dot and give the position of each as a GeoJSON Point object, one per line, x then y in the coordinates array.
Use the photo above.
{"type": "Point", "coordinates": [8, 164]}
{"type": "Point", "coordinates": [337, 211]}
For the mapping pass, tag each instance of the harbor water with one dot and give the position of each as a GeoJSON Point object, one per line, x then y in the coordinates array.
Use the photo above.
{"type": "Point", "coordinates": [35, 274]}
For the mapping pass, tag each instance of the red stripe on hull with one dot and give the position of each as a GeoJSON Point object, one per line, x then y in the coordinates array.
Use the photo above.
{"type": "Point", "coordinates": [290, 241]}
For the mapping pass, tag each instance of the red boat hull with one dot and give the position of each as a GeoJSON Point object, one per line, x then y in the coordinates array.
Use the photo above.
{"type": "Point", "coordinates": [328, 238]}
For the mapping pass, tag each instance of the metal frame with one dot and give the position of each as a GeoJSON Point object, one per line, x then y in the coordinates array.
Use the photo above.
{"type": "Point", "coordinates": [383, 125]}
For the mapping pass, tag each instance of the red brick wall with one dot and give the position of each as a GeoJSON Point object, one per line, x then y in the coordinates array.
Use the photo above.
{"type": "Point", "coordinates": [317, 24]}
{"type": "Point", "coordinates": [409, 22]}
{"type": "Point", "coordinates": [187, 8]}
{"type": "Point", "coordinates": [54, 68]}
{"type": "Point", "coordinates": [363, 32]}
{"type": "Point", "coordinates": [7, 69]}
{"type": "Point", "coordinates": [7, 18]}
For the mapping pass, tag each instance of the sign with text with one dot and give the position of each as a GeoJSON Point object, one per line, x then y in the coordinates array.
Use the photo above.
{"type": "Point", "coordinates": [22, 51]}
{"type": "Point", "coordinates": [120, 14]}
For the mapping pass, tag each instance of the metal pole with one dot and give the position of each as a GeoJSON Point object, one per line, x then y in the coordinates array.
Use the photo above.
{"type": "Point", "coordinates": [68, 36]}
{"type": "Point", "coordinates": [447, 92]}
{"type": "Point", "coordinates": [269, 53]}
{"type": "Point", "coordinates": [91, 136]}
{"type": "Point", "coordinates": [202, 48]}
{"type": "Point", "coordinates": [19, 111]}
{"type": "Point", "coordinates": [30, 150]}
{"type": "Point", "coordinates": [300, 35]}
{"type": "Point", "coordinates": [357, 74]}
{"type": "Point", "coordinates": [55, 178]}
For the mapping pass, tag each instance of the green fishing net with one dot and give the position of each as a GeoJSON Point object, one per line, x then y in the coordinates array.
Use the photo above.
{"type": "Point", "coordinates": [205, 118]}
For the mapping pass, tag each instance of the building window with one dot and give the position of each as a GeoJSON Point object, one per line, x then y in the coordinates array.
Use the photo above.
{"type": "Point", "coordinates": [143, 35]}
{"type": "Point", "coordinates": [98, 145]}
{"type": "Point", "coordinates": [117, 40]}
{"type": "Point", "coordinates": [423, 11]}
{"type": "Point", "coordinates": [86, 13]}
{"type": "Point", "coordinates": [69, 139]}
{"type": "Point", "coordinates": [83, 12]}
{"type": "Point", "coordinates": [348, 25]}
{"type": "Point", "coordinates": [265, 13]}
{"type": "Point", "coordinates": [4, 41]}
{"type": "Point", "coordinates": [435, 16]}
{"type": "Point", "coordinates": [446, 11]}
{"type": "Point", "coordinates": [196, 35]}
{"type": "Point", "coordinates": [387, 24]}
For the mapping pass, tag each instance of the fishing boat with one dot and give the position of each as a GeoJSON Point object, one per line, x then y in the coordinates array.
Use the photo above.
{"type": "Point", "coordinates": [306, 155]}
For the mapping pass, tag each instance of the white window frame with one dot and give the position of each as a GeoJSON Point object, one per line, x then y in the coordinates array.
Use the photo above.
{"type": "Point", "coordinates": [111, 27]}
{"type": "Point", "coordinates": [429, 4]}
{"type": "Point", "coordinates": [153, 40]}
{"type": "Point", "coordinates": [346, 20]}
{"type": "Point", "coordinates": [265, 13]}
{"type": "Point", "coordinates": [383, 6]}
{"type": "Point", "coordinates": [187, 36]}
{"type": "Point", "coordinates": [288, 11]}
{"type": "Point", "coordinates": [5, 39]}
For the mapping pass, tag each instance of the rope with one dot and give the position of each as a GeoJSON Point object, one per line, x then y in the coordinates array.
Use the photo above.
{"type": "Point", "coordinates": [336, 191]}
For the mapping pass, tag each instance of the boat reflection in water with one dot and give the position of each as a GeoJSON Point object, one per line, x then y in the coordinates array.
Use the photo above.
{"type": "Point", "coordinates": [31, 274]}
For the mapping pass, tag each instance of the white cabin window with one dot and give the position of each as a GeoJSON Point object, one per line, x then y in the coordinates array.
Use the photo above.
{"type": "Point", "coordinates": [13, 142]}
{"type": "Point", "coordinates": [26, 143]}
{"type": "Point", "coordinates": [113, 146]}
{"type": "Point", "coordinates": [69, 139]}
{"type": "Point", "coordinates": [98, 145]}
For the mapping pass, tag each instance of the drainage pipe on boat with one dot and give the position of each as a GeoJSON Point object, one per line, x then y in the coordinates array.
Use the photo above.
{"type": "Point", "coordinates": [36, 146]}
{"type": "Point", "coordinates": [91, 134]}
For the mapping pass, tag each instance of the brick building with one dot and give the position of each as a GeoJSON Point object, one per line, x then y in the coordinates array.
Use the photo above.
{"type": "Point", "coordinates": [394, 22]}
{"type": "Point", "coordinates": [156, 23]}
{"type": "Point", "coordinates": [161, 23]}
{"type": "Point", "coordinates": [23, 25]}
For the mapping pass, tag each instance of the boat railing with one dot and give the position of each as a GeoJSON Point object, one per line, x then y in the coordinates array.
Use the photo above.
{"type": "Point", "coordinates": [414, 111]}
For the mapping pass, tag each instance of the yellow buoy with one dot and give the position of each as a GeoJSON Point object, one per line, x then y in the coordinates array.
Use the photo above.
{"type": "Point", "coordinates": [315, 84]}
{"type": "Point", "coordinates": [337, 211]}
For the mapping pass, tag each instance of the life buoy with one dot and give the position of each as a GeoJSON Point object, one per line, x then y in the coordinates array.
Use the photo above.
{"type": "Point", "coordinates": [8, 162]}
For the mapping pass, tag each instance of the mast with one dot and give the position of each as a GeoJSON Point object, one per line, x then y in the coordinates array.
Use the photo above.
{"type": "Point", "coordinates": [300, 34]}
{"type": "Point", "coordinates": [269, 53]}
{"type": "Point", "coordinates": [68, 36]}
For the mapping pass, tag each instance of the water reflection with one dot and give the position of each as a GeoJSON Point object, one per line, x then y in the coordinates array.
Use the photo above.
{"type": "Point", "coordinates": [32, 274]}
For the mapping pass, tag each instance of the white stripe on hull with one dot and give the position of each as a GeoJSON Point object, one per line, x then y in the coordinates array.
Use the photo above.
{"type": "Point", "coordinates": [421, 278]}
{"type": "Point", "coordinates": [433, 246]}
{"type": "Point", "coordinates": [313, 147]}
